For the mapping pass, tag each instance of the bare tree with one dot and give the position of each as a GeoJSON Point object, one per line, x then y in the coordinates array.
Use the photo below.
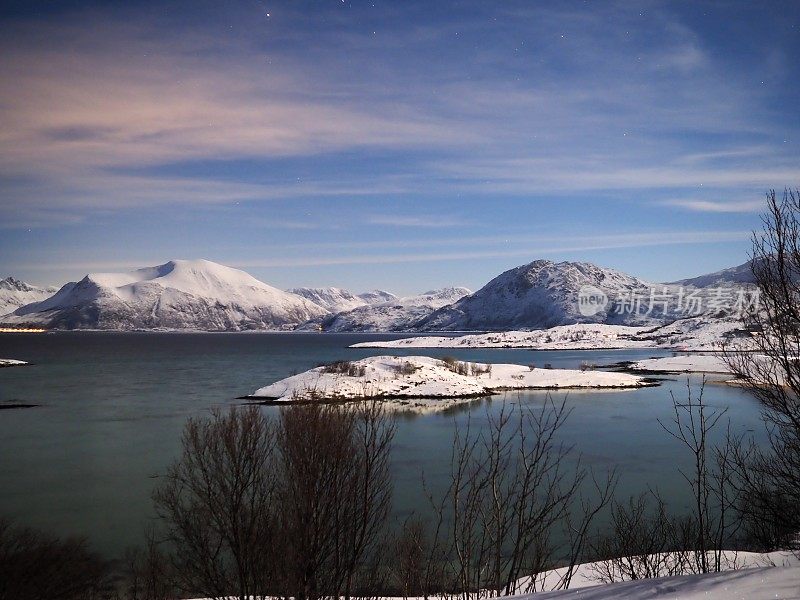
{"type": "Point", "coordinates": [35, 566]}
{"type": "Point", "coordinates": [511, 490]}
{"type": "Point", "coordinates": [643, 542]}
{"type": "Point", "coordinates": [412, 550]}
{"type": "Point", "coordinates": [768, 366]}
{"type": "Point", "coordinates": [294, 507]}
{"type": "Point", "coordinates": [148, 573]}
{"type": "Point", "coordinates": [710, 478]}
{"type": "Point", "coordinates": [216, 504]}
{"type": "Point", "coordinates": [334, 492]}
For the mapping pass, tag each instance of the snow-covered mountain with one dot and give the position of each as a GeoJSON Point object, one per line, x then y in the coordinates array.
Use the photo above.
{"type": "Point", "coordinates": [377, 296]}
{"type": "Point", "coordinates": [15, 293]}
{"type": "Point", "coordinates": [537, 295]}
{"type": "Point", "coordinates": [399, 314]}
{"type": "Point", "coordinates": [180, 294]}
{"type": "Point", "coordinates": [544, 294]}
{"type": "Point", "coordinates": [337, 300]}
{"type": "Point", "coordinates": [742, 274]}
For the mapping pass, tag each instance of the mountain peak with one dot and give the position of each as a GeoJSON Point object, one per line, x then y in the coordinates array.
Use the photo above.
{"type": "Point", "coordinates": [179, 294]}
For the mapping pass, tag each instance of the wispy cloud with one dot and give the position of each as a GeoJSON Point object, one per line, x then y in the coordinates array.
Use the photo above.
{"type": "Point", "coordinates": [523, 248]}
{"type": "Point", "coordinates": [429, 221]}
{"type": "Point", "coordinates": [712, 206]}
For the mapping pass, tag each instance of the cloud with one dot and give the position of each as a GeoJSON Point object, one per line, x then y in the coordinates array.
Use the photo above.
{"type": "Point", "coordinates": [92, 102]}
{"type": "Point", "coordinates": [712, 206]}
{"type": "Point", "coordinates": [523, 248]}
{"type": "Point", "coordinates": [424, 221]}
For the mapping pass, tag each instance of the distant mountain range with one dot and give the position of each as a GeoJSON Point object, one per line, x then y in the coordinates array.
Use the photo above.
{"type": "Point", "coordinates": [15, 293]}
{"type": "Point", "coordinates": [399, 314]}
{"type": "Point", "coordinates": [337, 300]}
{"type": "Point", "coordinates": [180, 294]}
{"type": "Point", "coordinates": [544, 294]}
{"type": "Point", "coordinates": [202, 295]}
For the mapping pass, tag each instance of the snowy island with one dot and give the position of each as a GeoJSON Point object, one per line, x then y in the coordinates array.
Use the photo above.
{"type": "Point", "coordinates": [10, 362]}
{"type": "Point", "coordinates": [423, 383]}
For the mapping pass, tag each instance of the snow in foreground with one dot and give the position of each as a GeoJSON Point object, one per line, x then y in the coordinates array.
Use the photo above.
{"type": "Point", "coordinates": [695, 334]}
{"type": "Point", "coordinates": [747, 584]}
{"type": "Point", "coordinates": [424, 383]}
{"type": "Point", "coordinates": [10, 362]}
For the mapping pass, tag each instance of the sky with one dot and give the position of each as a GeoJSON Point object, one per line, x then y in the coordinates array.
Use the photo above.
{"type": "Point", "coordinates": [405, 145]}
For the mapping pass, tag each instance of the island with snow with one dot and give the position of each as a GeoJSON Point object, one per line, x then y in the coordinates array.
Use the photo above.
{"type": "Point", "coordinates": [10, 362]}
{"type": "Point", "coordinates": [424, 383]}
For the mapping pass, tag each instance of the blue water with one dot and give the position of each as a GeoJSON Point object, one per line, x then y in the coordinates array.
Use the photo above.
{"type": "Point", "coordinates": [113, 406]}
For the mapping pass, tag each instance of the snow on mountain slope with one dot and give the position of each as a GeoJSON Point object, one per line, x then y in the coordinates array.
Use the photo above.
{"type": "Point", "coordinates": [741, 274]}
{"type": "Point", "coordinates": [15, 293]}
{"type": "Point", "coordinates": [377, 296]}
{"type": "Point", "coordinates": [537, 295]}
{"type": "Point", "coordinates": [334, 299]}
{"type": "Point", "coordinates": [400, 314]}
{"type": "Point", "coordinates": [693, 334]}
{"type": "Point", "coordinates": [180, 294]}
{"type": "Point", "coordinates": [544, 294]}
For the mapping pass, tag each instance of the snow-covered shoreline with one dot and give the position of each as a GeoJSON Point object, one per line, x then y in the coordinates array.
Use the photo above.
{"type": "Point", "coordinates": [10, 362]}
{"type": "Point", "coordinates": [688, 335]}
{"type": "Point", "coordinates": [424, 383]}
{"type": "Point", "coordinates": [682, 363]}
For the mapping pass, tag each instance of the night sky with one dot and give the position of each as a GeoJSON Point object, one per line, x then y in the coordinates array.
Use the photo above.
{"type": "Point", "coordinates": [402, 145]}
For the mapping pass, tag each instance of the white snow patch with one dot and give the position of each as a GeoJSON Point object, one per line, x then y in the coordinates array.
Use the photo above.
{"type": "Point", "coordinates": [421, 382]}
{"type": "Point", "coordinates": [694, 334]}
{"type": "Point", "coordinates": [10, 362]}
{"type": "Point", "coordinates": [684, 363]}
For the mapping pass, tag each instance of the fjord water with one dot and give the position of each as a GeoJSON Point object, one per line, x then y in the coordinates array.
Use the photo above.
{"type": "Point", "coordinates": [112, 406]}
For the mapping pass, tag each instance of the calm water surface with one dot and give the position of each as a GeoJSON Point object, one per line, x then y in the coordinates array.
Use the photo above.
{"type": "Point", "coordinates": [113, 406]}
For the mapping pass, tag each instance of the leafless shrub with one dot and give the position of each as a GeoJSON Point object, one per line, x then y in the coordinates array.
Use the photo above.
{"type": "Point", "coordinates": [407, 368]}
{"type": "Point", "coordinates": [148, 573]}
{"type": "Point", "coordinates": [345, 367]}
{"type": "Point", "coordinates": [216, 503]}
{"type": "Point", "coordinates": [293, 508]}
{"type": "Point", "coordinates": [643, 542]}
{"type": "Point", "coordinates": [455, 365]}
{"type": "Point", "coordinates": [335, 493]}
{"type": "Point", "coordinates": [35, 566]}
{"type": "Point", "coordinates": [510, 490]}
{"type": "Point", "coordinates": [770, 479]}
{"type": "Point", "coordinates": [548, 366]}
{"type": "Point", "coordinates": [412, 551]}
{"type": "Point", "coordinates": [478, 370]}
{"type": "Point", "coordinates": [710, 479]}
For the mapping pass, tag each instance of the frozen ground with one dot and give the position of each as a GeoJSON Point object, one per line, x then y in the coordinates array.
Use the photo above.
{"type": "Point", "coordinates": [423, 383]}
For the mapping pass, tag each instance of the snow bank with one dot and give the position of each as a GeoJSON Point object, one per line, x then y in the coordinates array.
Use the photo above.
{"type": "Point", "coordinates": [694, 334]}
{"type": "Point", "coordinates": [421, 382]}
{"type": "Point", "coordinates": [10, 362]}
{"type": "Point", "coordinates": [585, 574]}
{"type": "Point", "coordinates": [684, 363]}
{"type": "Point", "coordinates": [591, 336]}
{"type": "Point", "coordinates": [748, 584]}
